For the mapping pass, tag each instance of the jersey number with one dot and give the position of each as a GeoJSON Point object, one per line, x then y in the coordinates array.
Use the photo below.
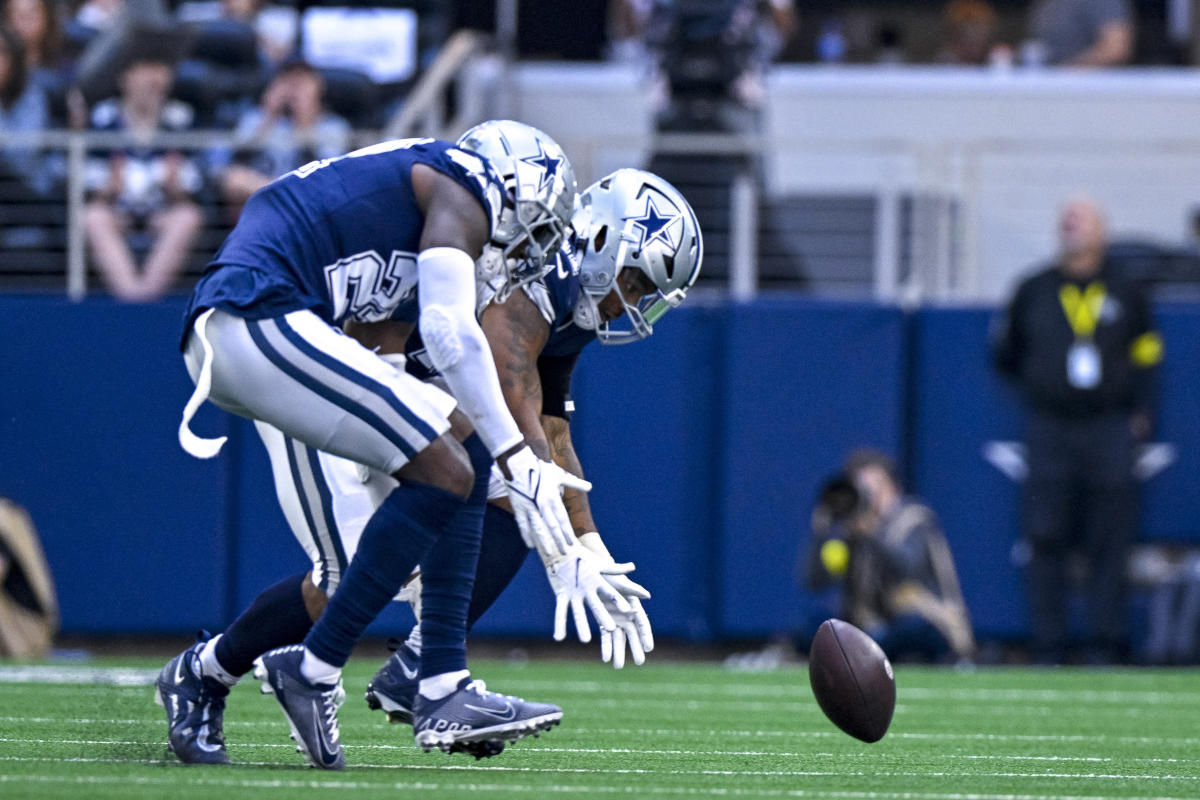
{"type": "Point", "coordinates": [366, 288]}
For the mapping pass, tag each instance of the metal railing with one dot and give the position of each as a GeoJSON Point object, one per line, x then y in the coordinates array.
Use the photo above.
{"type": "Point", "coordinates": [941, 229]}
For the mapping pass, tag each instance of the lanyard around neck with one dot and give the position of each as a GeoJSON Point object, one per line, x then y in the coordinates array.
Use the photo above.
{"type": "Point", "coordinates": [1082, 307]}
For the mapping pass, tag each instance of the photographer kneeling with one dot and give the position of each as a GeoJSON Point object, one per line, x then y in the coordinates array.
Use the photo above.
{"type": "Point", "coordinates": [891, 558]}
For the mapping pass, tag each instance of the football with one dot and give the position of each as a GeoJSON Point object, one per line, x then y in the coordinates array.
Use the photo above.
{"type": "Point", "coordinates": [852, 680]}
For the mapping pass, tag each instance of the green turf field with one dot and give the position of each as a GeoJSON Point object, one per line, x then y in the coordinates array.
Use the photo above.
{"type": "Point", "coordinates": [662, 730]}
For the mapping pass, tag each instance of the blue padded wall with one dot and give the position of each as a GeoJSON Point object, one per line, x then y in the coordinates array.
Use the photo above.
{"type": "Point", "coordinates": [958, 404]}
{"type": "Point", "coordinates": [134, 528]}
{"type": "Point", "coordinates": [805, 382]}
{"type": "Point", "coordinates": [1170, 501]}
{"type": "Point", "coordinates": [706, 444]}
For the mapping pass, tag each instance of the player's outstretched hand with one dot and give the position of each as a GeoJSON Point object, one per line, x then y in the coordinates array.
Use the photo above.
{"type": "Point", "coordinates": [632, 628]}
{"type": "Point", "coordinates": [535, 490]}
{"type": "Point", "coordinates": [579, 586]}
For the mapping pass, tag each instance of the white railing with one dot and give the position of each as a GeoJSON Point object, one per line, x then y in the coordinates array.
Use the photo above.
{"type": "Point", "coordinates": [966, 170]}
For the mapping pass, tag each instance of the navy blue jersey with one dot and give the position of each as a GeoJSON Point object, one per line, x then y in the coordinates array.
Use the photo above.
{"type": "Point", "coordinates": [562, 290]}
{"type": "Point", "coordinates": [555, 296]}
{"type": "Point", "coordinates": [338, 236]}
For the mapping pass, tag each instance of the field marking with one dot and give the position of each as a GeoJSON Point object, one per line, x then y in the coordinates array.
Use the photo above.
{"type": "Point", "coordinates": [758, 733]}
{"type": "Point", "coordinates": [911, 692]}
{"type": "Point", "coordinates": [412, 747]}
{"type": "Point", "coordinates": [115, 676]}
{"type": "Point", "coordinates": [676, 708]}
{"type": "Point", "coordinates": [988, 737]}
{"type": "Point", "coordinates": [530, 790]}
{"type": "Point", "coordinates": [127, 677]}
{"type": "Point", "coordinates": [708, 773]}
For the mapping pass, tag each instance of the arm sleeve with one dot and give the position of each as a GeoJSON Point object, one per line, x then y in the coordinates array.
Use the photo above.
{"type": "Point", "coordinates": [1145, 352]}
{"type": "Point", "coordinates": [457, 347]}
{"type": "Point", "coordinates": [1005, 333]}
{"type": "Point", "coordinates": [555, 374]}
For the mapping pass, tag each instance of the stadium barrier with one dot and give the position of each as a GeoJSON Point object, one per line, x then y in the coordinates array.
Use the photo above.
{"type": "Point", "coordinates": [706, 444]}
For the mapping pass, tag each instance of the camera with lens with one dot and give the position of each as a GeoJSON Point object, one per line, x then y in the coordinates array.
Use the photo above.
{"type": "Point", "coordinates": [834, 517]}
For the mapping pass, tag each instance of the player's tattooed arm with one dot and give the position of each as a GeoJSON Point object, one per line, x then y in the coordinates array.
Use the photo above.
{"type": "Point", "coordinates": [517, 333]}
{"type": "Point", "coordinates": [558, 431]}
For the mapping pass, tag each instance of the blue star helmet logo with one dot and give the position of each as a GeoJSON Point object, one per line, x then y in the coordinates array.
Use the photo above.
{"type": "Point", "coordinates": [546, 163]}
{"type": "Point", "coordinates": [655, 225]}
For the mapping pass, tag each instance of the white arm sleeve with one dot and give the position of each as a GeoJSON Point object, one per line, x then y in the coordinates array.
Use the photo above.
{"type": "Point", "coordinates": [457, 347]}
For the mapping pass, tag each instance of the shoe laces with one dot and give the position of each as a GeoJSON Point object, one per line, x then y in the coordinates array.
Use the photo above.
{"type": "Point", "coordinates": [480, 688]}
{"type": "Point", "coordinates": [331, 701]}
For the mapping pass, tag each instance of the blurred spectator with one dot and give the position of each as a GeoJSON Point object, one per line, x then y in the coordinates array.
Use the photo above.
{"type": "Point", "coordinates": [290, 128]}
{"type": "Point", "coordinates": [1081, 33]}
{"type": "Point", "coordinates": [39, 26]}
{"type": "Point", "coordinates": [627, 23]}
{"type": "Point", "coordinates": [23, 109]}
{"type": "Point", "coordinates": [887, 554]}
{"type": "Point", "coordinates": [28, 601]}
{"type": "Point", "coordinates": [142, 189]}
{"type": "Point", "coordinates": [713, 53]}
{"type": "Point", "coordinates": [99, 15]}
{"type": "Point", "coordinates": [276, 27]}
{"type": "Point", "coordinates": [1079, 343]}
{"type": "Point", "coordinates": [969, 31]}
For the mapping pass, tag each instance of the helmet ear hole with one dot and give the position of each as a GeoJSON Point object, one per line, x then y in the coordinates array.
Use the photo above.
{"type": "Point", "coordinates": [601, 237]}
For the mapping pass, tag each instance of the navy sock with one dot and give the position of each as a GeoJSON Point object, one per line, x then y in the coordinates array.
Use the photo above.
{"type": "Point", "coordinates": [276, 617]}
{"type": "Point", "coordinates": [501, 553]}
{"type": "Point", "coordinates": [395, 538]}
{"type": "Point", "coordinates": [448, 573]}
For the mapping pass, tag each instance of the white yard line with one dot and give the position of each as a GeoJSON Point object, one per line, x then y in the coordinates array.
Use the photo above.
{"type": "Point", "coordinates": [639, 751]}
{"type": "Point", "coordinates": [1157, 741]}
{"type": "Point", "coordinates": [708, 773]}
{"type": "Point", "coordinates": [127, 677]}
{"type": "Point", "coordinates": [530, 790]}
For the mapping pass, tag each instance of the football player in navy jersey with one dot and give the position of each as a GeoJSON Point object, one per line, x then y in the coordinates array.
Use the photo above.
{"type": "Point", "coordinates": [348, 241]}
{"type": "Point", "coordinates": [637, 250]}
{"type": "Point", "coordinates": [536, 337]}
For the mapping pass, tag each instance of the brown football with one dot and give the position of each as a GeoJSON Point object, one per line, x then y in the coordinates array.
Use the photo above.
{"type": "Point", "coordinates": [852, 680]}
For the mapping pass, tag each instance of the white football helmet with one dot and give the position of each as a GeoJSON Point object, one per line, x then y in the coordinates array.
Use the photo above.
{"type": "Point", "coordinates": [633, 219]}
{"type": "Point", "coordinates": [541, 186]}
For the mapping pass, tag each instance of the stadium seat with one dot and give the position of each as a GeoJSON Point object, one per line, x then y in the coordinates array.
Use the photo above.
{"type": "Point", "coordinates": [352, 95]}
{"type": "Point", "coordinates": [222, 69]}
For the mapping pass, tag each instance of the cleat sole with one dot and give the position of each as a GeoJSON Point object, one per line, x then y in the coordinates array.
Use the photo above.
{"type": "Point", "coordinates": [397, 715]}
{"type": "Point", "coordinates": [450, 742]}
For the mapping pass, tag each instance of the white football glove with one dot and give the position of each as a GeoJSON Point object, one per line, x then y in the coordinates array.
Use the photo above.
{"type": "Point", "coordinates": [578, 584]}
{"type": "Point", "coordinates": [632, 628]}
{"type": "Point", "coordinates": [535, 491]}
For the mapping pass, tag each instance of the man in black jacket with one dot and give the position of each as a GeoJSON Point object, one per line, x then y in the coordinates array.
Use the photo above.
{"type": "Point", "coordinates": [1079, 343]}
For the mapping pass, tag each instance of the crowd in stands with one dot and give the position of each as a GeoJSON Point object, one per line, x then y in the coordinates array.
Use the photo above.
{"type": "Point", "coordinates": [285, 86]}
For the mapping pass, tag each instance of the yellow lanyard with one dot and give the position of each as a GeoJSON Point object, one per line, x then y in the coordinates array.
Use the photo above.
{"type": "Point", "coordinates": [1082, 308]}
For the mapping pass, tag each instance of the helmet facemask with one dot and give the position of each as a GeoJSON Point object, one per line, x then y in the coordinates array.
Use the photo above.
{"type": "Point", "coordinates": [634, 220]}
{"type": "Point", "coordinates": [541, 192]}
{"type": "Point", "coordinates": [639, 317]}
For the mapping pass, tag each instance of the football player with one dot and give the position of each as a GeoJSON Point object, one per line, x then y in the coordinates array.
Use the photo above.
{"type": "Point", "coordinates": [390, 232]}
{"type": "Point", "coordinates": [632, 218]}
{"type": "Point", "coordinates": [637, 250]}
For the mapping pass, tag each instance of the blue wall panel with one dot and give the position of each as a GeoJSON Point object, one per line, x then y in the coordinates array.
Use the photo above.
{"type": "Point", "coordinates": [90, 396]}
{"type": "Point", "coordinates": [958, 405]}
{"type": "Point", "coordinates": [1170, 500]}
{"type": "Point", "coordinates": [706, 444]}
{"type": "Point", "coordinates": [805, 382]}
{"type": "Point", "coordinates": [647, 430]}
{"type": "Point", "coordinates": [266, 551]}
{"type": "Point", "coordinates": [644, 433]}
